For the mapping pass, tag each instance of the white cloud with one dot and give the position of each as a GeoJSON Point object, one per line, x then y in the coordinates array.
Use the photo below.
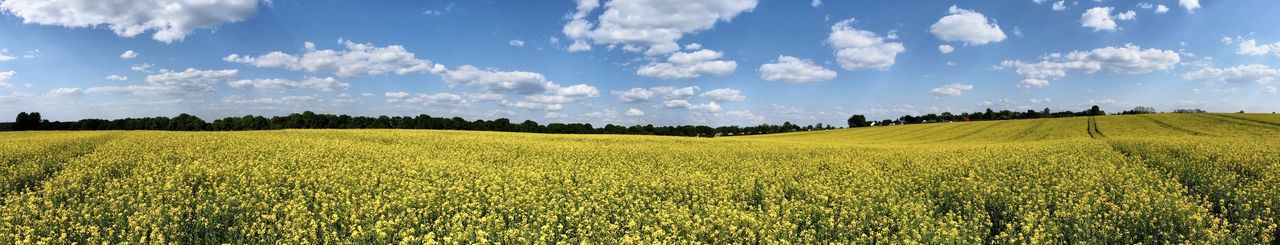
{"type": "Point", "coordinates": [1033, 83]}
{"type": "Point", "coordinates": [1100, 18]}
{"type": "Point", "coordinates": [63, 91]}
{"type": "Point", "coordinates": [322, 84]}
{"type": "Point", "coordinates": [1060, 6]}
{"type": "Point", "coordinates": [1269, 90]}
{"type": "Point", "coordinates": [689, 65]}
{"type": "Point", "coordinates": [634, 95]}
{"type": "Point", "coordinates": [437, 99]}
{"type": "Point", "coordinates": [519, 82]}
{"type": "Point", "coordinates": [792, 69]}
{"type": "Point", "coordinates": [579, 45]}
{"type": "Point", "coordinates": [189, 81]}
{"type": "Point", "coordinates": [656, 24]}
{"type": "Point", "coordinates": [516, 43]}
{"type": "Point", "coordinates": [4, 55]}
{"type": "Point", "coordinates": [1160, 9]}
{"type": "Point", "coordinates": [360, 59]}
{"type": "Point", "coordinates": [946, 49]}
{"type": "Point", "coordinates": [172, 20]}
{"type": "Point", "coordinates": [745, 115]}
{"type": "Point", "coordinates": [967, 26]}
{"type": "Point", "coordinates": [4, 78]}
{"type": "Point", "coordinates": [1251, 73]}
{"type": "Point", "coordinates": [579, 90]}
{"type": "Point", "coordinates": [1127, 15]}
{"type": "Point", "coordinates": [684, 104]}
{"type": "Point", "coordinates": [286, 101]}
{"type": "Point", "coordinates": [635, 112]}
{"type": "Point", "coordinates": [952, 89]}
{"type": "Point", "coordinates": [144, 67]}
{"type": "Point", "coordinates": [1129, 59]}
{"type": "Point", "coordinates": [815, 3]}
{"type": "Point", "coordinates": [639, 95]}
{"type": "Point", "coordinates": [1190, 5]}
{"type": "Point", "coordinates": [724, 95]}
{"type": "Point", "coordinates": [16, 96]}
{"type": "Point", "coordinates": [859, 49]}
{"type": "Point", "coordinates": [117, 78]}
{"type": "Point", "coordinates": [1251, 47]}
{"type": "Point", "coordinates": [129, 54]}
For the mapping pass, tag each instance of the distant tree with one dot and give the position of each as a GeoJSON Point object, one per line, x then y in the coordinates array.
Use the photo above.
{"type": "Point", "coordinates": [856, 121]}
{"type": "Point", "coordinates": [1096, 111]}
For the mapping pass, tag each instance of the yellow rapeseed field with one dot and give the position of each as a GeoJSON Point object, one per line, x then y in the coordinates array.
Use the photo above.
{"type": "Point", "coordinates": [1198, 179]}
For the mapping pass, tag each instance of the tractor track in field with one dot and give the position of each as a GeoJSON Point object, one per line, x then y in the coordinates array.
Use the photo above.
{"type": "Point", "coordinates": [1033, 129]}
{"type": "Point", "coordinates": [23, 184]}
{"type": "Point", "coordinates": [1170, 126]}
{"type": "Point", "coordinates": [971, 133]}
{"type": "Point", "coordinates": [1094, 132]}
{"type": "Point", "coordinates": [1274, 124]}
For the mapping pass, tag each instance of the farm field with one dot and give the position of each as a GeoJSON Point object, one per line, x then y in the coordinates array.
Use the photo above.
{"type": "Point", "coordinates": [1156, 178]}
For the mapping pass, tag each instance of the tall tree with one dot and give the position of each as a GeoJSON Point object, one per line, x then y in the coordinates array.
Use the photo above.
{"type": "Point", "coordinates": [858, 121]}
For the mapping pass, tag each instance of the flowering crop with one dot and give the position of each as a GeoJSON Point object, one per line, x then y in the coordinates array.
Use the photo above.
{"type": "Point", "coordinates": [1202, 178]}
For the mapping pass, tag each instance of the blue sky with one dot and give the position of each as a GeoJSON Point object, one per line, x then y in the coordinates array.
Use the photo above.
{"type": "Point", "coordinates": [662, 62]}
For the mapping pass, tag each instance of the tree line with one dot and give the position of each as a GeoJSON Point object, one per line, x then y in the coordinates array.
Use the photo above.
{"type": "Point", "coordinates": [990, 115]}
{"type": "Point", "coordinates": [311, 120]}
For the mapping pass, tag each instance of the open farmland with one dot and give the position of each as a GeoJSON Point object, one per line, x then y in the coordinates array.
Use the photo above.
{"type": "Point", "coordinates": [1163, 178]}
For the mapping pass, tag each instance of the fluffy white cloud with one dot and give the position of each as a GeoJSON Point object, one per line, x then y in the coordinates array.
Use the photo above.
{"type": "Point", "coordinates": [792, 69]}
{"type": "Point", "coordinates": [4, 78]}
{"type": "Point", "coordinates": [1129, 59]}
{"type": "Point", "coordinates": [4, 55]}
{"type": "Point", "coordinates": [437, 99]}
{"type": "Point", "coordinates": [144, 67]}
{"type": "Point", "coordinates": [172, 20]}
{"type": "Point", "coordinates": [1100, 18]}
{"type": "Point", "coordinates": [174, 82]}
{"type": "Point", "coordinates": [360, 59]}
{"type": "Point", "coordinates": [579, 90]}
{"type": "Point", "coordinates": [1269, 90]}
{"type": "Point", "coordinates": [946, 49]}
{"type": "Point", "coordinates": [635, 112]}
{"type": "Point", "coordinates": [63, 91]}
{"type": "Point", "coordinates": [129, 54]}
{"type": "Point", "coordinates": [1251, 47]}
{"type": "Point", "coordinates": [724, 95]}
{"type": "Point", "coordinates": [516, 43]}
{"type": "Point", "coordinates": [634, 95]}
{"type": "Point", "coordinates": [684, 104]}
{"type": "Point", "coordinates": [1160, 9]}
{"type": "Point", "coordinates": [815, 3]}
{"type": "Point", "coordinates": [519, 82]}
{"type": "Point", "coordinates": [16, 96]}
{"type": "Point", "coordinates": [1033, 83]}
{"type": "Point", "coordinates": [745, 115]}
{"type": "Point", "coordinates": [286, 101]}
{"type": "Point", "coordinates": [1190, 5]}
{"type": "Point", "coordinates": [1251, 73]}
{"type": "Point", "coordinates": [967, 26]}
{"type": "Point", "coordinates": [1127, 15]}
{"type": "Point", "coordinates": [1060, 6]}
{"type": "Point", "coordinates": [117, 78]}
{"type": "Point", "coordinates": [859, 49]}
{"type": "Point", "coordinates": [639, 95]}
{"type": "Point", "coordinates": [689, 65]}
{"type": "Point", "coordinates": [322, 84]}
{"type": "Point", "coordinates": [952, 89]}
{"type": "Point", "coordinates": [656, 24]}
